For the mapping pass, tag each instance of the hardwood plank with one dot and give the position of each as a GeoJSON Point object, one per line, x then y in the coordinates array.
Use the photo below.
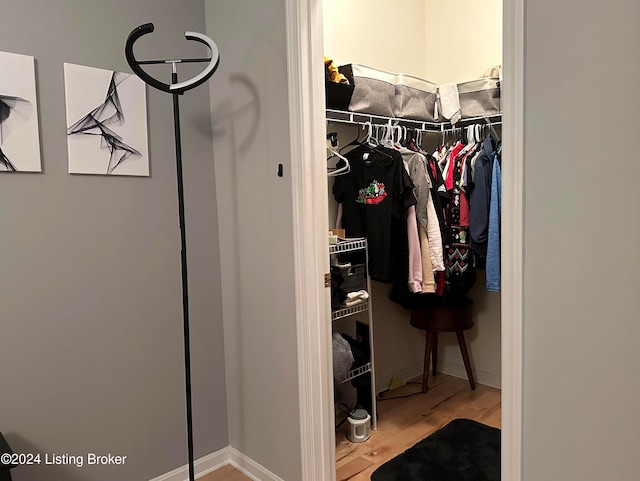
{"type": "Point", "coordinates": [405, 421]}
{"type": "Point", "coordinates": [225, 473]}
{"type": "Point", "coordinates": [353, 467]}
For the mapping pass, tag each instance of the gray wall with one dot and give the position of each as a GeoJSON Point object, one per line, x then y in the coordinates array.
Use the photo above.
{"type": "Point", "coordinates": [91, 329]}
{"type": "Point", "coordinates": [582, 232]}
{"type": "Point", "coordinates": [250, 101]}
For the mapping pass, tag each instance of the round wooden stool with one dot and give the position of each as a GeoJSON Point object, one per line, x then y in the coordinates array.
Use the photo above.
{"type": "Point", "coordinates": [433, 320]}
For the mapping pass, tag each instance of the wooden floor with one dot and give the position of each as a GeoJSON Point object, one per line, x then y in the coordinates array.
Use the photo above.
{"type": "Point", "coordinates": [226, 473]}
{"type": "Point", "coordinates": [402, 423]}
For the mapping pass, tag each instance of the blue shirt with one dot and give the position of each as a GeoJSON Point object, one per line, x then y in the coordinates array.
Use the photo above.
{"type": "Point", "coordinates": [493, 244]}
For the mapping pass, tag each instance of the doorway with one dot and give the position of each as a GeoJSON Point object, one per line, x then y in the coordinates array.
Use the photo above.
{"type": "Point", "coordinates": [317, 439]}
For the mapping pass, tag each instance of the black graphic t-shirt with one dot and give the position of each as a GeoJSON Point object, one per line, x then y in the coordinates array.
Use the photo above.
{"type": "Point", "coordinates": [375, 195]}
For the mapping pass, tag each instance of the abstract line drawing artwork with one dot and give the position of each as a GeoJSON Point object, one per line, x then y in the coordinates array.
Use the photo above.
{"type": "Point", "coordinates": [19, 131]}
{"type": "Point", "coordinates": [106, 122]}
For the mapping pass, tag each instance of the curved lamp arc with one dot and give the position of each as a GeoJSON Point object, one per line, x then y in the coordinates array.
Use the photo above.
{"type": "Point", "coordinates": [178, 87]}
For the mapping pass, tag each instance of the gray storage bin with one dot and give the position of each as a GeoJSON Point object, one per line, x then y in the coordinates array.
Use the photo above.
{"type": "Point", "coordinates": [479, 98]}
{"type": "Point", "coordinates": [415, 98]}
{"type": "Point", "coordinates": [374, 89]}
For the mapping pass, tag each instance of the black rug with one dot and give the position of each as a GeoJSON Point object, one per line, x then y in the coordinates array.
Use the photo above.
{"type": "Point", "coordinates": [463, 450]}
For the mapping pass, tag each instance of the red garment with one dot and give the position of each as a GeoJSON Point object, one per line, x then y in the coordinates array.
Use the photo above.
{"type": "Point", "coordinates": [464, 201]}
{"type": "Point", "coordinates": [439, 282]}
{"type": "Point", "coordinates": [452, 162]}
{"type": "Point", "coordinates": [464, 210]}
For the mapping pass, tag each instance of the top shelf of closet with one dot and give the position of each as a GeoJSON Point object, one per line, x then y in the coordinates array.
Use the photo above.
{"type": "Point", "coordinates": [347, 117]}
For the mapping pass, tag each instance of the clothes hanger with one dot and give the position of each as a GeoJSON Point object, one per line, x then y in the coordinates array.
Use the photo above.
{"type": "Point", "coordinates": [393, 136]}
{"type": "Point", "coordinates": [414, 139]}
{"type": "Point", "coordinates": [471, 140]}
{"type": "Point", "coordinates": [386, 135]}
{"type": "Point", "coordinates": [397, 141]}
{"type": "Point", "coordinates": [332, 143]}
{"type": "Point", "coordinates": [440, 143]}
{"type": "Point", "coordinates": [357, 140]}
{"type": "Point", "coordinates": [419, 134]}
{"type": "Point", "coordinates": [494, 135]}
{"type": "Point", "coordinates": [374, 140]}
{"type": "Point", "coordinates": [406, 136]}
{"type": "Point", "coordinates": [372, 137]}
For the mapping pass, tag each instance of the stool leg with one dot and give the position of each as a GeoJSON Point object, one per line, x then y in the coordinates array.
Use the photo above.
{"type": "Point", "coordinates": [434, 353]}
{"type": "Point", "coordinates": [428, 345]}
{"type": "Point", "coordinates": [465, 358]}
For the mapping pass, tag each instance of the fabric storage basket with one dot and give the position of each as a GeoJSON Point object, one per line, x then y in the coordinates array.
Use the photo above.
{"type": "Point", "coordinates": [338, 96]}
{"type": "Point", "coordinates": [479, 98]}
{"type": "Point", "coordinates": [415, 98]}
{"type": "Point", "coordinates": [374, 89]}
{"type": "Point", "coordinates": [354, 277]}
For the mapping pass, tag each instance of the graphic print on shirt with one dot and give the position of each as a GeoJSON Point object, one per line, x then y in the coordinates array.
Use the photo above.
{"type": "Point", "coordinates": [458, 259]}
{"type": "Point", "coordinates": [374, 194]}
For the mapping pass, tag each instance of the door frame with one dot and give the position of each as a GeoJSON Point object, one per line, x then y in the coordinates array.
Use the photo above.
{"type": "Point", "coordinates": [310, 213]}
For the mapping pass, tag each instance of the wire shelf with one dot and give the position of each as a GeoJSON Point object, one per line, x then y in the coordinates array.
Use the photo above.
{"type": "Point", "coordinates": [347, 117]}
{"type": "Point", "coordinates": [357, 372]}
{"type": "Point", "coordinates": [347, 246]}
{"type": "Point", "coordinates": [349, 311]}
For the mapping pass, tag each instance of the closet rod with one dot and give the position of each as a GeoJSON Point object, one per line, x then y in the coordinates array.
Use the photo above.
{"type": "Point", "coordinates": [347, 117]}
{"type": "Point", "coordinates": [467, 124]}
{"type": "Point", "coordinates": [359, 118]}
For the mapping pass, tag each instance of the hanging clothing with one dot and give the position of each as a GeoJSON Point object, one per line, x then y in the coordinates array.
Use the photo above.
{"type": "Point", "coordinates": [428, 227]}
{"type": "Point", "coordinates": [449, 169]}
{"type": "Point", "coordinates": [416, 271]}
{"type": "Point", "coordinates": [428, 278]}
{"type": "Point", "coordinates": [434, 235]}
{"type": "Point", "coordinates": [480, 196]}
{"type": "Point", "coordinates": [418, 172]}
{"type": "Point", "coordinates": [459, 272]}
{"type": "Point", "coordinates": [493, 242]}
{"type": "Point", "coordinates": [436, 198]}
{"type": "Point", "coordinates": [375, 195]}
{"type": "Point", "coordinates": [439, 194]}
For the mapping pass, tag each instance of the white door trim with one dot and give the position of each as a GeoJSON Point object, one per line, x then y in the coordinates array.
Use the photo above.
{"type": "Point", "coordinates": [512, 264]}
{"type": "Point", "coordinates": [311, 250]}
{"type": "Point", "coordinates": [308, 131]}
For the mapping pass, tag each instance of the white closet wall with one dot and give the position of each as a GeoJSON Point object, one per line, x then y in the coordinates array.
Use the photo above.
{"type": "Point", "coordinates": [464, 38]}
{"type": "Point", "coordinates": [441, 41]}
{"type": "Point", "coordinates": [370, 32]}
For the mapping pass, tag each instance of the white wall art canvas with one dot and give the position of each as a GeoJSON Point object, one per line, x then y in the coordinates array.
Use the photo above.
{"type": "Point", "coordinates": [106, 122]}
{"type": "Point", "coordinates": [19, 131]}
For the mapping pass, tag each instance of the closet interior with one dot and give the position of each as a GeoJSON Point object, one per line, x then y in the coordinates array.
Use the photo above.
{"type": "Point", "coordinates": [443, 43]}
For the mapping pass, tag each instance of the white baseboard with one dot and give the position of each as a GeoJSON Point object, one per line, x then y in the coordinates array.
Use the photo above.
{"type": "Point", "coordinates": [249, 467]}
{"type": "Point", "coordinates": [455, 370]}
{"type": "Point", "coordinates": [481, 377]}
{"type": "Point", "coordinates": [405, 374]}
{"type": "Point", "coordinates": [213, 461]}
{"type": "Point", "coordinates": [202, 466]}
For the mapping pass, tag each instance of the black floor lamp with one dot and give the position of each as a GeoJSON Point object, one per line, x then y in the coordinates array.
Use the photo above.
{"type": "Point", "coordinates": [176, 89]}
